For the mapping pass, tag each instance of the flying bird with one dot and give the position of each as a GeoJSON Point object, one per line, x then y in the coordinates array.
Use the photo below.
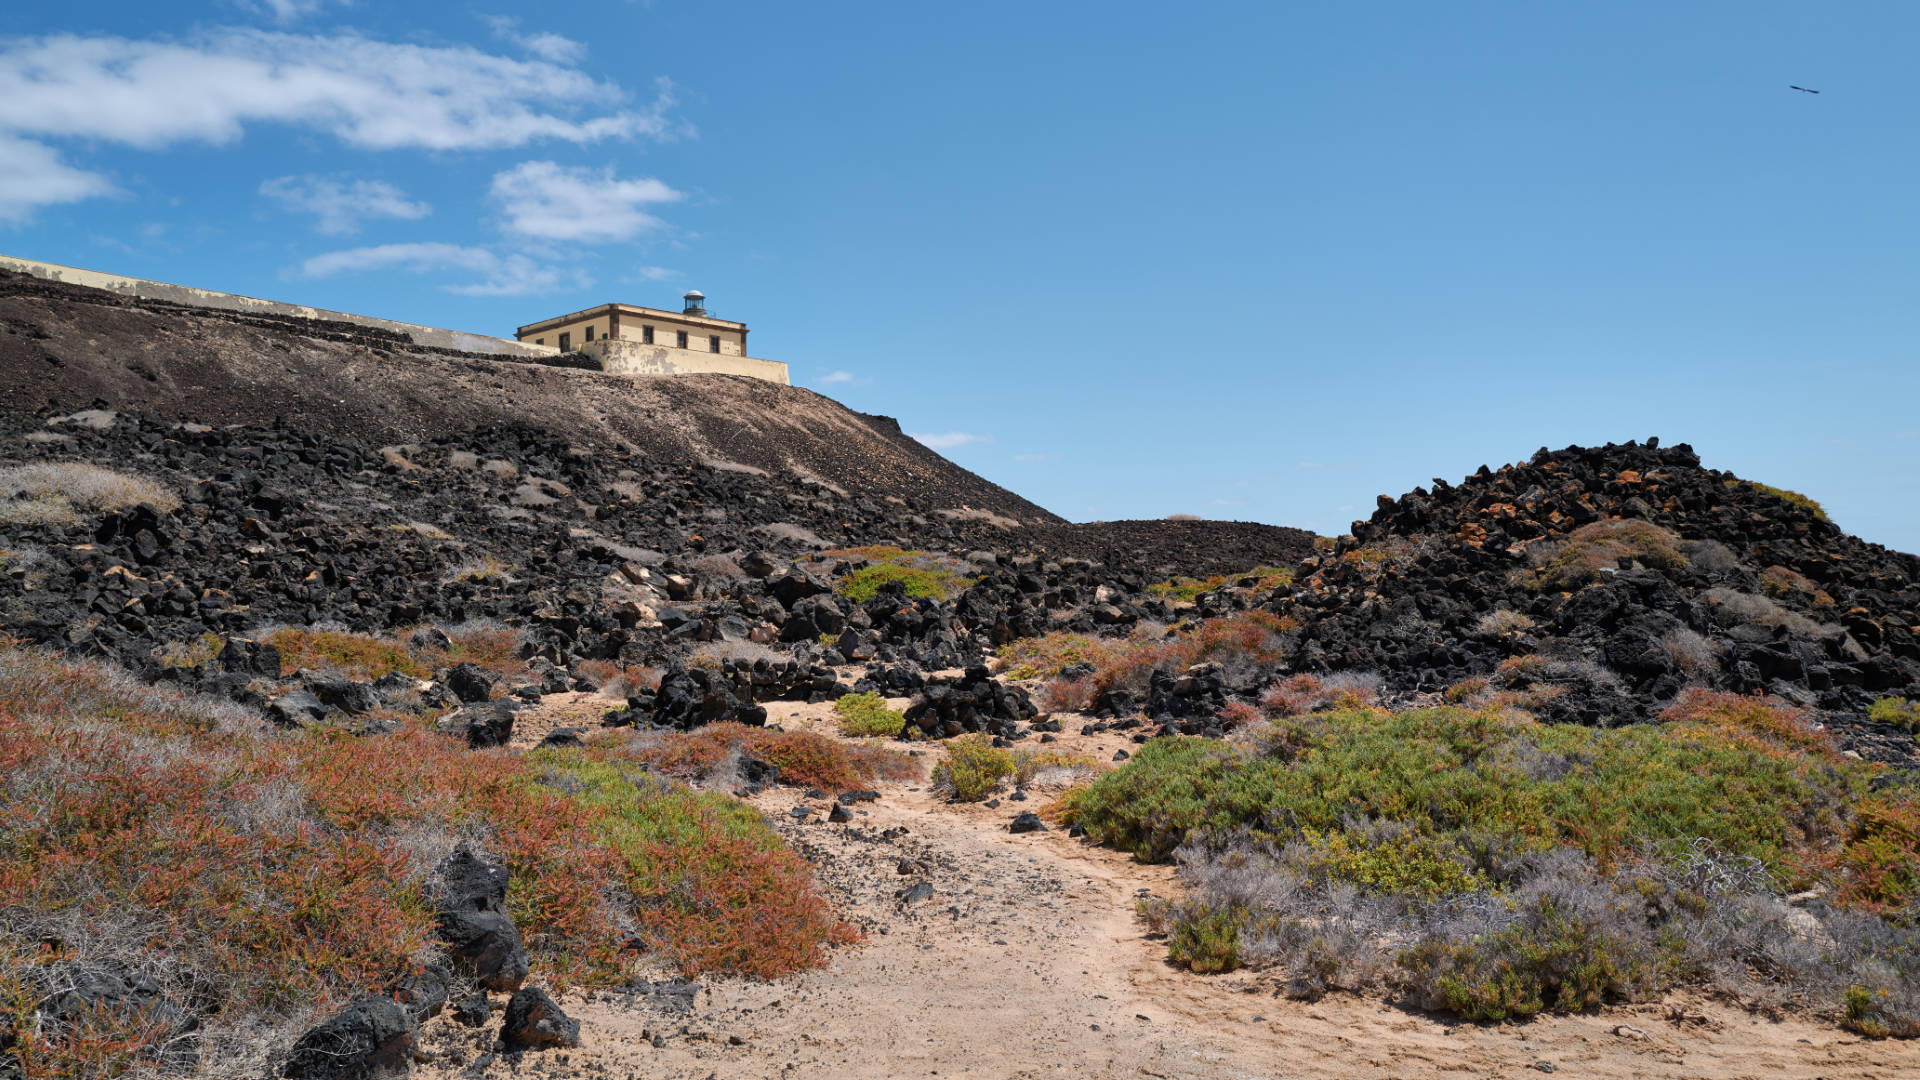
{"type": "Point", "coordinates": [1802, 89]}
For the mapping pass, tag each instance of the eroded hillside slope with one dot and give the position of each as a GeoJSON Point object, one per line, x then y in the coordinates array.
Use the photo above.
{"type": "Point", "coordinates": [75, 345]}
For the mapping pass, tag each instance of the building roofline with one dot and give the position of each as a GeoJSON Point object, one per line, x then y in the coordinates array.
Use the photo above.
{"type": "Point", "coordinates": [659, 313]}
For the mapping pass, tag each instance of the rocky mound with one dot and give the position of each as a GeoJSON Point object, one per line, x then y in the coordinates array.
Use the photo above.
{"type": "Point", "coordinates": [1168, 548]}
{"type": "Point", "coordinates": [72, 344]}
{"type": "Point", "coordinates": [1602, 581]}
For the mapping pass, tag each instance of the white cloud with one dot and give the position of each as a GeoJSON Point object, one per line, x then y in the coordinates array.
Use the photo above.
{"type": "Point", "coordinates": [35, 176]}
{"type": "Point", "coordinates": [838, 377]}
{"type": "Point", "coordinates": [548, 201]}
{"type": "Point", "coordinates": [286, 11]}
{"type": "Point", "coordinates": [518, 275]}
{"type": "Point", "coordinates": [510, 275]}
{"type": "Point", "coordinates": [560, 50]}
{"type": "Point", "coordinates": [405, 256]}
{"type": "Point", "coordinates": [950, 440]}
{"type": "Point", "coordinates": [546, 46]}
{"type": "Point", "coordinates": [369, 94]}
{"type": "Point", "coordinates": [340, 206]}
{"type": "Point", "coordinates": [655, 273]}
{"type": "Point", "coordinates": [1035, 457]}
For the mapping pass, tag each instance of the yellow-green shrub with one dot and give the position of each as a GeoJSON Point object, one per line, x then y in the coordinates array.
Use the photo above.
{"type": "Point", "coordinates": [867, 714]}
{"type": "Point", "coordinates": [973, 768]}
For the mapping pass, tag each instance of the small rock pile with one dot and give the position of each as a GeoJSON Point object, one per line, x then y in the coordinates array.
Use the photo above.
{"type": "Point", "coordinates": [976, 702]}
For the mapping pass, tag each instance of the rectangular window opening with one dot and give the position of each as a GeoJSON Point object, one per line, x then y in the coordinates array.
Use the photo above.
{"type": "Point", "coordinates": [646, 335]}
{"type": "Point", "coordinates": [589, 336]}
{"type": "Point", "coordinates": [683, 338]}
{"type": "Point", "coordinates": [566, 342]}
{"type": "Point", "coordinates": [713, 343]}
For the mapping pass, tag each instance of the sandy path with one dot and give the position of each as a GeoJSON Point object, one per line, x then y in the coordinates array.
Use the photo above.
{"type": "Point", "coordinates": [1027, 962]}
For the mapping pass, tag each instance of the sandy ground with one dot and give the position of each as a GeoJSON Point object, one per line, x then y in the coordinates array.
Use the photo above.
{"type": "Point", "coordinates": [1027, 961]}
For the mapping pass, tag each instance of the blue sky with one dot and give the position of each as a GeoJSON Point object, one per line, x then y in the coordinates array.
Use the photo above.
{"type": "Point", "coordinates": [1261, 261]}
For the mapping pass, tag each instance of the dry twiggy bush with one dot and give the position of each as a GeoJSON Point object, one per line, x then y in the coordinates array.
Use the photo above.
{"type": "Point", "coordinates": [62, 492]}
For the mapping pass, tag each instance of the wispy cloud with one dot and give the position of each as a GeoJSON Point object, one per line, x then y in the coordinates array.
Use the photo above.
{"type": "Point", "coordinates": [369, 94]}
{"type": "Point", "coordinates": [1036, 457]}
{"type": "Point", "coordinates": [654, 273]}
{"type": "Point", "coordinates": [36, 176]}
{"type": "Point", "coordinates": [286, 11]}
{"type": "Point", "coordinates": [547, 201]}
{"type": "Point", "coordinates": [950, 440]}
{"type": "Point", "coordinates": [339, 206]}
{"type": "Point", "coordinates": [837, 377]}
{"type": "Point", "coordinates": [508, 275]}
{"type": "Point", "coordinates": [546, 46]}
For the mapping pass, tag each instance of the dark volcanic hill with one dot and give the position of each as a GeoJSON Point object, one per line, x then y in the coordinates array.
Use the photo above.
{"type": "Point", "coordinates": [74, 345]}
{"type": "Point", "coordinates": [1601, 581]}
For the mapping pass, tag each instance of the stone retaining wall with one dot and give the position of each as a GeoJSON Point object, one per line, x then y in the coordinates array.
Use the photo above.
{"type": "Point", "coordinates": [432, 336]}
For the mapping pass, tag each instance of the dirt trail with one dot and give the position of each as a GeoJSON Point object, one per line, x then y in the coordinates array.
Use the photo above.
{"type": "Point", "coordinates": [1027, 961]}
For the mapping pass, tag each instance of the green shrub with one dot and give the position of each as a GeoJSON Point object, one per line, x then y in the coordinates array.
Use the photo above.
{"type": "Point", "coordinates": [1403, 862]}
{"type": "Point", "coordinates": [1896, 711]}
{"type": "Point", "coordinates": [919, 573]}
{"type": "Point", "coordinates": [1751, 777]}
{"type": "Point", "coordinates": [1175, 787]}
{"type": "Point", "coordinates": [867, 714]}
{"type": "Point", "coordinates": [1497, 867]}
{"type": "Point", "coordinates": [973, 768]}
{"type": "Point", "coordinates": [1207, 944]}
{"type": "Point", "coordinates": [1549, 959]}
{"type": "Point", "coordinates": [1793, 497]}
{"type": "Point", "coordinates": [1872, 1012]}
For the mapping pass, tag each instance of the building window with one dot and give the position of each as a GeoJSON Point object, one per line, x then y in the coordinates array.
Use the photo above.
{"type": "Point", "coordinates": [646, 335]}
{"type": "Point", "coordinates": [539, 341]}
{"type": "Point", "coordinates": [683, 339]}
{"type": "Point", "coordinates": [713, 343]}
{"type": "Point", "coordinates": [589, 336]}
{"type": "Point", "coordinates": [566, 342]}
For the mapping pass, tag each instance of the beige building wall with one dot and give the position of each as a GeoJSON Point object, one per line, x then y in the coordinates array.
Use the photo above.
{"type": "Point", "coordinates": [632, 322]}
{"type": "Point", "coordinates": [623, 357]}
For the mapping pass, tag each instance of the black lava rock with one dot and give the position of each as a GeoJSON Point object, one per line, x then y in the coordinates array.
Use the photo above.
{"type": "Point", "coordinates": [474, 924]}
{"type": "Point", "coordinates": [372, 1037]}
{"type": "Point", "coordinates": [534, 1022]}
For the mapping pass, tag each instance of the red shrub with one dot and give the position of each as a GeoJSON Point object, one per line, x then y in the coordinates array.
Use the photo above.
{"type": "Point", "coordinates": [1061, 694]}
{"type": "Point", "coordinates": [805, 759]}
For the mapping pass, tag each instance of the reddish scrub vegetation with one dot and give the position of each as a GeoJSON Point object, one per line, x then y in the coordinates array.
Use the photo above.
{"type": "Point", "coordinates": [360, 656]}
{"type": "Point", "coordinates": [805, 759]}
{"type": "Point", "coordinates": [1249, 636]}
{"type": "Point", "coordinates": [291, 871]}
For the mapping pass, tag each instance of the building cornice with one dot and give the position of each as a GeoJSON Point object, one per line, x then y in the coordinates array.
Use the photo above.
{"type": "Point", "coordinates": [631, 309]}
